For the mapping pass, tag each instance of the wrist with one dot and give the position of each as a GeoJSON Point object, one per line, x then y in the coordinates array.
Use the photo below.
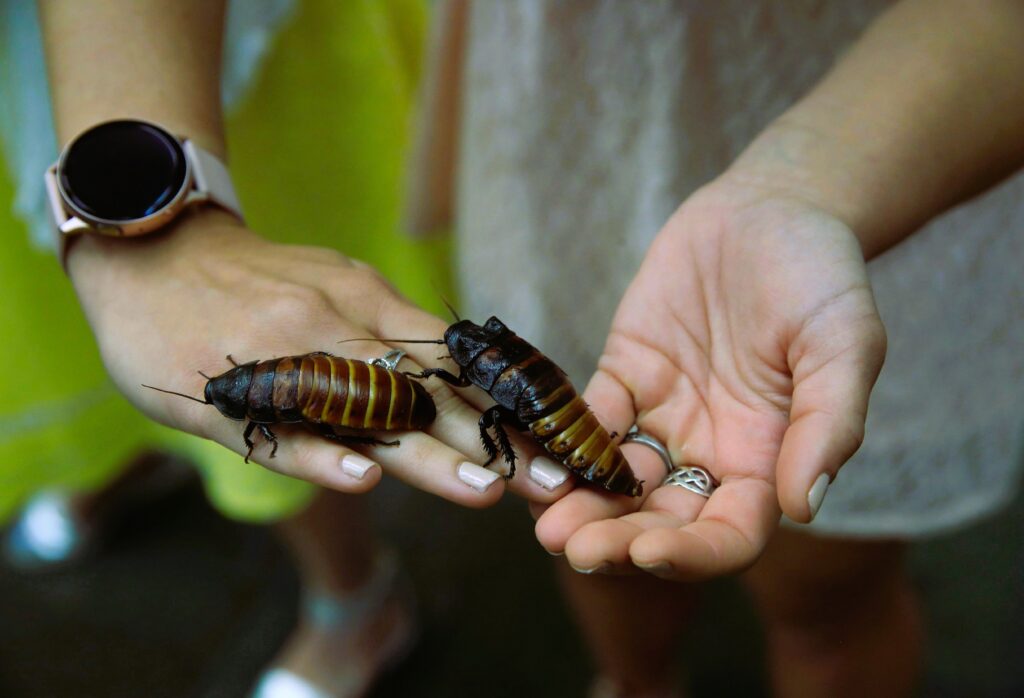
{"type": "Point", "coordinates": [800, 163]}
{"type": "Point", "coordinates": [91, 257]}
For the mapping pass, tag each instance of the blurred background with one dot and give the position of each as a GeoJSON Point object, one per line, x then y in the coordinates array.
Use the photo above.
{"type": "Point", "coordinates": [186, 603]}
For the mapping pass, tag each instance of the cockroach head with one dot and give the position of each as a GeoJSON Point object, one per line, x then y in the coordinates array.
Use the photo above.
{"type": "Point", "coordinates": [227, 392]}
{"type": "Point", "coordinates": [466, 340]}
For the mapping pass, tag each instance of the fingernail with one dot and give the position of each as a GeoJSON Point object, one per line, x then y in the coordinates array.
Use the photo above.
{"type": "Point", "coordinates": [657, 568]}
{"type": "Point", "coordinates": [476, 477]}
{"type": "Point", "coordinates": [816, 495]}
{"type": "Point", "coordinates": [599, 569]}
{"type": "Point", "coordinates": [547, 473]}
{"type": "Point", "coordinates": [356, 466]}
{"type": "Point", "coordinates": [553, 554]}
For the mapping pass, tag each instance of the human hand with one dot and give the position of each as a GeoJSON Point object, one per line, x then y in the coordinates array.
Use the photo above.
{"type": "Point", "coordinates": [164, 307]}
{"type": "Point", "coordinates": [748, 343]}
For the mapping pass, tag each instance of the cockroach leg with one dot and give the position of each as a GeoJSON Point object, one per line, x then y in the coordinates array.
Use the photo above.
{"type": "Point", "coordinates": [269, 436]}
{"type": "Point", "coordinates": [496, 417]}
{"type": "Point", "coordinates": [486, 421]}
{"type": "Point", "coordinates": [349, 439]}
{"type": "Point", "coordinates": [231, 360]}
{"type": "Point", "coordinates": [247, 437]}
{"type": "Point", "coordinates": [371, 441]}
{"type": "Point", "coordinates": [460, 381]}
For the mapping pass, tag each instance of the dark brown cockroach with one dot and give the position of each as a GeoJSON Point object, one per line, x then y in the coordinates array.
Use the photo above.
{"type": "Point", "coordinates": [332, 395]}
{"type": "Point", "coordinates": [533, 394]}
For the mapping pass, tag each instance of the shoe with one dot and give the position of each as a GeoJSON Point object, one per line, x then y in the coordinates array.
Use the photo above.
{"type": "Point", "coordinates": [56, 528]}
{"type": "Point", "coordinates": [48, 534]}
{"type": "Point", "coordinates": [333, 635]}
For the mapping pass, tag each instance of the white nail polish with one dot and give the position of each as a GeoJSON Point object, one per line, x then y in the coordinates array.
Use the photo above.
{"type": "Point", "coordinates": [816, 495]}
{"type": "Point", "coordinates": [598, 569]}
{"type": "Point", "coordinates": [547, 473]}
{"type": "Point", "coordinates": [476, 477]}
{"type": "Point", "coordinates": [356, 466]}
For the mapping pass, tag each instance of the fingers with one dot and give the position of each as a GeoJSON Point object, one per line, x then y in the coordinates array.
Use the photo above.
{"type": "Point", "coordinates": [588, 503]}
{"type": "Point", "coordinates": [430, 465]}
{"type": "Point", "coordinates": [680, 535]}
{"type": "Point", "coordinates": [611, 402]}
{"type": "Point", "coordinates": [605, 544]}
{"type": "Point", "coordinates": [830, 402]}
{"type": "Point", "coordinates": [305, 456]}
{"type": "Point", "coordinates": [729, 534]}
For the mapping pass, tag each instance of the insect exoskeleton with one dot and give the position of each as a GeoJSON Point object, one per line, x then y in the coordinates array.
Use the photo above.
{"type": "Point", "coordinates": [532, 394]}
{"type": "Point", "coordinates": [340, 398]}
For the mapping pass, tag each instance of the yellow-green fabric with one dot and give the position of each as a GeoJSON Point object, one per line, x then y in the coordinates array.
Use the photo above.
{"type": "Point", "coordinates": [317, 153]}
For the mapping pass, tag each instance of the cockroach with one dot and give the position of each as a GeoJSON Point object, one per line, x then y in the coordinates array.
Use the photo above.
{"type": "Point", "coordinates": [532, 394]}
{"type": "Point", "coordinates": [334, 396]}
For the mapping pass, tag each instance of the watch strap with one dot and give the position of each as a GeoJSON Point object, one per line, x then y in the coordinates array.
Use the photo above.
{"type": "Point", "coordinates": [211, 179]}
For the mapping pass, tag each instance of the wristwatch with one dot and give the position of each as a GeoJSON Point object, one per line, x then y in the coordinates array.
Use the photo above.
{"type": "Point", "coordinates": [131, 177]}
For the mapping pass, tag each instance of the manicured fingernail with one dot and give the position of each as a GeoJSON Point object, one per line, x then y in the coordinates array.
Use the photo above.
{"type": "Point", "coordinates": [657, 568]}
{"type": "Point", "coordinates": [547, 473]}
{"type": "Point", "coordinates": [356, 466]}
{"type": "Point", "coordinates": [599, 569]}
{"type": "Point", "coordinates": [554, 554]}
{"type": "Point", "coordinates": [476, 477]}
{"type": "Point", "coordinates": [816, 495]}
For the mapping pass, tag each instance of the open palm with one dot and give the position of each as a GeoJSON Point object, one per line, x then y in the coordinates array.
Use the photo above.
{"type": "Point", "coordinates": [747, 343]}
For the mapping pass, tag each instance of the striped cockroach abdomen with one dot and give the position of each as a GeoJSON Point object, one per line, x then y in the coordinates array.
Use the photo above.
{"type": "Point", "coordinates": [562, 423]}
{"type": "Point", "coordinates": [534, 394]}
{"type": "Point", "coordinates": [334, 395]}
{"type": "Point", "coordinates": [339, 392]}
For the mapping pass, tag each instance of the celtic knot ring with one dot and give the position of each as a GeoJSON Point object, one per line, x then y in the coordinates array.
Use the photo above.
{"type": "Point", "coordinates": [693, 478]}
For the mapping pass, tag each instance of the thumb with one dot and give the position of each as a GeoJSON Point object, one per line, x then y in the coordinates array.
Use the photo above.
{"type": "Point", "coordinates": [832, 380]}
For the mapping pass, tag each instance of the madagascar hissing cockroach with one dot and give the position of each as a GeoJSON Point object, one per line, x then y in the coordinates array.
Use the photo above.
{"type": "Point", "coordinates": [332, 395]}
{"type": "Point", "coordinates": [533, 394]}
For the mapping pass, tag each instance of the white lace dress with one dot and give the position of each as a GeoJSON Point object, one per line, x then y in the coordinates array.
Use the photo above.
{"type": "Point", "coordinates": [586, 123]}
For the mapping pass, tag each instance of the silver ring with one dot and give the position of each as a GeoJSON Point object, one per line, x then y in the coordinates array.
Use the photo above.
{"type": "Point", "coordinates": [634, 435]}
{"type": "Point", "coordinates": [693, 478]}
{"type": "Point", "coordinates": [389, 360]}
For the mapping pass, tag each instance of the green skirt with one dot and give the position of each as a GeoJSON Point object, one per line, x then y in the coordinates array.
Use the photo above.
{"type": "Point", "coordinates": [317, 153]}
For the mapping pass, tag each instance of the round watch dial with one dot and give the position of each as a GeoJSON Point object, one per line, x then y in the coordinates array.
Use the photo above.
{"type": "Point", "coordinates": [122, 171]}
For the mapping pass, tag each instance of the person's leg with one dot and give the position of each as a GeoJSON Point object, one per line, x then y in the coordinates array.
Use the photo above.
{"type": "Point", "coordinates": [632, 626]}
{"type": "Point", "coordinates": [840, 616]}
{"type": "Point", "coordinates": [354, 618]}
{"type": "Point", "coordinates": [332, 542]}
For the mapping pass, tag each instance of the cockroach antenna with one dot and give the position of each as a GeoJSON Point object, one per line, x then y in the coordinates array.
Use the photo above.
{"type": "Point", "coordinates": [204, 375]}
{"type": "Point", "coordinates": [451, 309]}
{"type": "Point", "coordinates": [445, 301]}
{"type": "Point", "coordinates": [171, 392]}
{"type": "Point", "coordinates": [397, 341]}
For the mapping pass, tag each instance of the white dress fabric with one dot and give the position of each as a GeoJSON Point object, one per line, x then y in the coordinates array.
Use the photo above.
{"type": "Point", "coordinates": [586, 123]}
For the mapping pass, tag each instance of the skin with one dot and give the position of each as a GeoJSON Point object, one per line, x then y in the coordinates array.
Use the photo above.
{"type": "Point", "coordinates": [749, 340]}
{"type": "Point", "coordinates": [208, 286]}
{"type": "Point", "coordinates": [769, 343]}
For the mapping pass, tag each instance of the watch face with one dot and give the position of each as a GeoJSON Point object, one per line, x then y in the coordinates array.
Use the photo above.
{"type": "Point", "coordinates": [122, 171]}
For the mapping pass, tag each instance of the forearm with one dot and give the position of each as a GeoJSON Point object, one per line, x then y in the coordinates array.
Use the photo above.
{"type": "Point", "coordinates": [926, 110]}
{"type": "Point", "coordinates": [157, 60]}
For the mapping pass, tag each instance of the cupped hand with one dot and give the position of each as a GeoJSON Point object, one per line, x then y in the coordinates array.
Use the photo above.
{"type": "Point", "coordinates": [748, 343]}
{"type": "Point", "coordinates": [165, 307]}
